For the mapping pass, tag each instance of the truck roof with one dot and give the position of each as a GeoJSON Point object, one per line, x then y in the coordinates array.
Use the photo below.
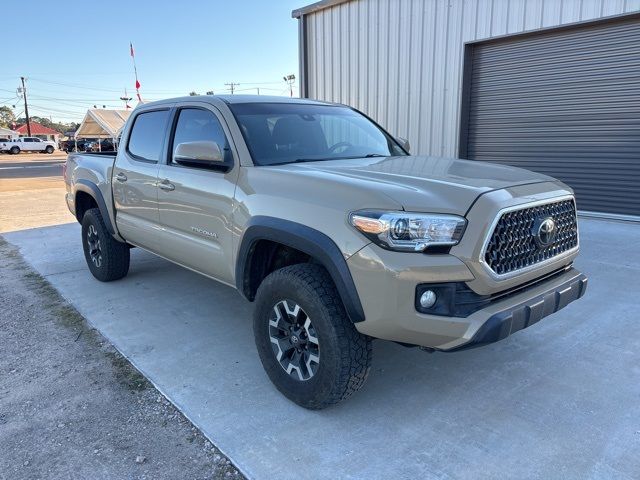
{"type": "Point", "coordinates": [231, 99]}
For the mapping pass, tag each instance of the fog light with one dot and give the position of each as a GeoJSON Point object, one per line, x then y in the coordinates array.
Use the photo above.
{"type": "Point", "coordinates": [428, 299]}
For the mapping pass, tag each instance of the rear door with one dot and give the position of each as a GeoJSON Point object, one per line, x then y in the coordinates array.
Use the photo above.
{"type": "Point", "coordinates": [135, 178]}
{"type": "Point", "coordinates": [28, 144]}
{"type": "Point", "coordinates": [195, 203]}
{"type": "Point", "coordinates": [38, 145]}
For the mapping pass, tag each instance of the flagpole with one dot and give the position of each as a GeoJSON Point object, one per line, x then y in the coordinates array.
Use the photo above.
{"type": "Point", "coordinates": [135, 71]}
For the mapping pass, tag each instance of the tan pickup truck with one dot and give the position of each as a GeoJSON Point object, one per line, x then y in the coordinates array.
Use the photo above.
{"type": "Point", "coordinates": [338, 235]}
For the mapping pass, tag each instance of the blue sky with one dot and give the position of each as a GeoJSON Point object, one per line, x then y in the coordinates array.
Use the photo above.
{"type": "Point", "coordinates": [77, 54]}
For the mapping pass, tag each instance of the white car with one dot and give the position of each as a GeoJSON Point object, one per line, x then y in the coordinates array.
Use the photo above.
{"type": "Point", "coordinates": [27, 144]}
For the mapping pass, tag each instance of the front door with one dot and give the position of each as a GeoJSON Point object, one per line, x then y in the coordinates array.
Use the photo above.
{"type": "Point", "coordinates": [135, 179]}
{"type": "Point", "coordinates": [195, 204]}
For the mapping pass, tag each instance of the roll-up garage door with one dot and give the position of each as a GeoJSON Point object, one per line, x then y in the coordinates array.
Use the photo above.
{"type": "Point", "coordinates": [565, 103]}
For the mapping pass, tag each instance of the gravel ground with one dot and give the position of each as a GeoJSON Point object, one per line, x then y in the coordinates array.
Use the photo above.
{"type": "Point", "coordinates": [72, 407]}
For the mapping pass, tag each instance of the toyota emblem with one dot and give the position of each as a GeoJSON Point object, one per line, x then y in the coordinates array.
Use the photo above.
{"type": "Point", "coordinates": [545, 231]}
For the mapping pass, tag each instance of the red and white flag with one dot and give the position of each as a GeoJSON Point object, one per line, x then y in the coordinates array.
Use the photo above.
{"type": "Point", "coordinates": [135, 71]}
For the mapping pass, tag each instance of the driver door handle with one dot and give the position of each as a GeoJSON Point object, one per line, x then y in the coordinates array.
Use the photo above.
{"type": "Point", "coordinates": [166, 185]}
{"type": "Point", "coordinates": [121, 177]}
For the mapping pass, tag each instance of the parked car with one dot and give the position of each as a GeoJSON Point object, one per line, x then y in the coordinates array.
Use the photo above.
{"type": "Point", "coordinates": [339, 236]}
{"type": "Point", "coordinates": [73, 146]}
{"type": "Point", "coordinates": [104, 145]}
{"type": "Point", "coordinates": [27, 144]}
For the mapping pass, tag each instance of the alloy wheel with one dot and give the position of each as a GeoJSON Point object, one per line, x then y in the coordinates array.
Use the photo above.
{"type": "Point", "coordinates": [294, 340]}
{"type": "Point", "coordinates": [93, 241]}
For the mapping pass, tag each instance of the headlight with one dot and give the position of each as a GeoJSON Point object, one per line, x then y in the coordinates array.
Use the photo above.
{"type": "Point", "coordinates": [409, 232]}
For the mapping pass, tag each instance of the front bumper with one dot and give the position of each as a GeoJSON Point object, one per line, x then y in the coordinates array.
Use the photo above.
{"type": "Point", "coordinates": [524, 314]}
{"type": "Point", "coordinates": [386, 283]}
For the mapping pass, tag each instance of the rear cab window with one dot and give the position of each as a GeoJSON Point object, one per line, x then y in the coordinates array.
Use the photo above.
{"type": "Point", "coordinates": [147, 135]}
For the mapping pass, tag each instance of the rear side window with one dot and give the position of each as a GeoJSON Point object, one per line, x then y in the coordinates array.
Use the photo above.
{"type": "Point", "coordinates": [147, 135]}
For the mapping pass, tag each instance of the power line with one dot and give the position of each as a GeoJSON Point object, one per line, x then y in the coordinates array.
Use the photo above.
{"type": "Point", "coordinates": [8, 100]}
{"type": "Point", "coordinates": [67, 99]}
{"type": "Point", "coordinates": [232, 86]}
{"type": "Point", "coordinates": [79, 104]}
{"type": "Point", "coordinates": [59, 110]}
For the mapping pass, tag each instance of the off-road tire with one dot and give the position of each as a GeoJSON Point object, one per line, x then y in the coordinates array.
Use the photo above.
{"type": "Point", "coordinates": [49, 149]}
{"type": "Point", "coordinates": [113, 262]}
{"type": "Point", "coordinates": [14, 150]}
{"type": "Point", "coordinates": [344, 353]}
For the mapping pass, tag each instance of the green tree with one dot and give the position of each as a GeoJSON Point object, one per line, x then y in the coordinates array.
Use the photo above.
{"type": "Point", "coordinates": [6, 117]}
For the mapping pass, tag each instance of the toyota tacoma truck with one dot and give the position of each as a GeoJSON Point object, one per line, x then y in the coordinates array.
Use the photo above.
{"type": "Point", "coordinates": [319, 216]}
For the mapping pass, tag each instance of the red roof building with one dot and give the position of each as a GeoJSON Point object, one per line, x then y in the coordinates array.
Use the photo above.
{"type": "Point", "coordinates": [40, 131]}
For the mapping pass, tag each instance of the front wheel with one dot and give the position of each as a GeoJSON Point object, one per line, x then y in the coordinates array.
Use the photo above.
{"type": "Point", "coordinates": [15, 150]}
{"type": "Point", "coordinates": [308, 346]}
{"type": "Point", "coordinates": [49, 149]}
{"type": "Point", "coordinates": [107, 258]}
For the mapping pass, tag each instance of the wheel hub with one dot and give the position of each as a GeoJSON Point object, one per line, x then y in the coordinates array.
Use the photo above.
{"type": "Point", "coordinates": [93, 242]}
{"type": "Point", "coordinates": [294, 340]}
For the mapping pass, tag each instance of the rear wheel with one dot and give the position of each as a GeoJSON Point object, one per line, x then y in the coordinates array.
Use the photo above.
{"type": "Point", "coordinates": [49, 149]}
{"type": "Point", "coordinates": [308, 346]}
{"type": "Point", "coordinates": [14, 150]}
{"type": "Point", "coordinates": [106, 258]}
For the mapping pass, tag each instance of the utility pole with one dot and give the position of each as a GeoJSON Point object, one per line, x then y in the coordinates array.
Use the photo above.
{"type": "Point", "coordinates": [26, 109]}
{"type": "Point", "coordinates": [126, 99]}
{"type": "Point", "coordinates": [232, 86]}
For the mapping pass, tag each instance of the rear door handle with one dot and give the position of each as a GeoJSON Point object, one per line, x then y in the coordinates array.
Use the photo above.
{"type": "Point", "coordinates": [121, 177]}
{"type": "Point", "coordinates": [166, 185]}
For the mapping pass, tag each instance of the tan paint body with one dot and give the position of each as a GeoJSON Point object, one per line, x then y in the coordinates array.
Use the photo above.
{"type": "Point", "coordinates": [200, 223]}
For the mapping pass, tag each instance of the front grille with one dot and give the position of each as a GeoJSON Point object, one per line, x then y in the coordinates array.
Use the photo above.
{"type": "Point", "coordinates": [515, 245]}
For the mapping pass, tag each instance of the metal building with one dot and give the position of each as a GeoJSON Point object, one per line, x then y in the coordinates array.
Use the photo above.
{"type": "Point", "coordinates": [549, 85]}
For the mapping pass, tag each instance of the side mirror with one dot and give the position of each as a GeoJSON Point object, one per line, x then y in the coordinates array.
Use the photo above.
{"type": "Point", "coordinates": [199, 154]}
{"type": "Point", "coordinates": [404, 143]}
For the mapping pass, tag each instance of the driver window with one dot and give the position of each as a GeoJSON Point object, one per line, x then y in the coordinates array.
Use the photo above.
{"type": "Point", "coordinates": [194, 125]}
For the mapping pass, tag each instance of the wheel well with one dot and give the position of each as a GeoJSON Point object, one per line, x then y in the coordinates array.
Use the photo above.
{"type": "Point", "coordinates": [266, 256]}
{"type": "Point", "coordinates": [84, 202]}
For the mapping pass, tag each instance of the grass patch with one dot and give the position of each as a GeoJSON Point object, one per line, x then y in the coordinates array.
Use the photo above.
{"type": "Point", "coordinates": [67, 316]}
{"type": "Point", "coordinates": [126, 373]}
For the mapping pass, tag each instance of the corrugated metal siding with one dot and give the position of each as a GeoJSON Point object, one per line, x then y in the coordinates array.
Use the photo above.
{"type": "Point", "coordinates": [565, 103]}
{"type": "Point", "coordinates": [400, 61]}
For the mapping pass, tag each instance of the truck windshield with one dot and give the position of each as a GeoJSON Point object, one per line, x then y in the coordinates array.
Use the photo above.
{"type": "Point", "coordinates": [278, 133]}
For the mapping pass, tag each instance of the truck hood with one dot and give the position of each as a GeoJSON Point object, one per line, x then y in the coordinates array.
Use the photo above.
{"type": "Point", "coordinates": [422, 183]}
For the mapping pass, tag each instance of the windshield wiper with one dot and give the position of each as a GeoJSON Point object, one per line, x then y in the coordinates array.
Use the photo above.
{"type": "Point", "coordinates": [297, 160]}
{"type": "Point", "coordinates": [303, 160]}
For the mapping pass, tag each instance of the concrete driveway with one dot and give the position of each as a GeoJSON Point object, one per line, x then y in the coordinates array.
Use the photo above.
{"type": "Point", "coordinates": [558, 400]}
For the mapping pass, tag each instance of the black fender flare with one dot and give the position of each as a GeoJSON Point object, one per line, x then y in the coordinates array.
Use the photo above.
{"type": "Point", "coordinates": [92, 189]}
{"type": "Point", "coordinates": [307, 240]}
